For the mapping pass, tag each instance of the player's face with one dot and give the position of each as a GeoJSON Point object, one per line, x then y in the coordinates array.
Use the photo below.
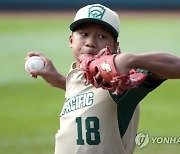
{"type": "Point", "coordinates": [91, 38]}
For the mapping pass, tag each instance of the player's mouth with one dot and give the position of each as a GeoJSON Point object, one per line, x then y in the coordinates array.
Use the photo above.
{"type": "Point", "coordinates": [89, 51]}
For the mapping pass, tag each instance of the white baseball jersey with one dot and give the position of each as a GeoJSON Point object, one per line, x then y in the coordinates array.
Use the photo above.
{"type": "Point", "coordinates": [94, 121]}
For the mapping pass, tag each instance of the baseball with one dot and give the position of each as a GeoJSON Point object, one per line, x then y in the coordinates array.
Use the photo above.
{"type": "Point", "coordinates": [34, 63]}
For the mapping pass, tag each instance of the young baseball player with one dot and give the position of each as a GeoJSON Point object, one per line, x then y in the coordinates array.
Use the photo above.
{"type": "Point", "coordinates": [94, 120]}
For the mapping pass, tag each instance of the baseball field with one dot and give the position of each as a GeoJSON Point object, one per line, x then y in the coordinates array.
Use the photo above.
{"type": "Point", "coordinates": [29, 108]}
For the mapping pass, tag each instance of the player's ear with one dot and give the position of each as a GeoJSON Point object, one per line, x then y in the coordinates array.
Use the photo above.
{"type": "Point", "coordinates": [117, 47]}
{"type": "Point", "coordinates": [70, 40]}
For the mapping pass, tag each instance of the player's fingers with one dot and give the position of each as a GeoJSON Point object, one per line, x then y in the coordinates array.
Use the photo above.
{"type": "Point", "coordinates": [33, 74]}
{"type": "Point", "coordinates": [98, 78]}
{"type": "Point", "coordinates": [34, 53]}
{"type": "Point", "coordinates": [101, 81]}
{"type": "Point", "coordinates": [105, 83]}
{"type": "Point", "coordinates": [36, 73]}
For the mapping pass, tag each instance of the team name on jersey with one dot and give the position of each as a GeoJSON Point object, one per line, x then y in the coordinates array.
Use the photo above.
{"type": "Point", "coordinates": [77, 102]}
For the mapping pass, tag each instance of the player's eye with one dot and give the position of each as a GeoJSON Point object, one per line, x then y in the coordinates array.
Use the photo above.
{"type": "Point", "coordinates": [84, 34]}
{"type": "Point", "coordinates": [101, 36]}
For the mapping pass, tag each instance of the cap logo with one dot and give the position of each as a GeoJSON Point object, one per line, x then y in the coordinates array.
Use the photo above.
{"type": "Point", "coordinates": [96, 12]}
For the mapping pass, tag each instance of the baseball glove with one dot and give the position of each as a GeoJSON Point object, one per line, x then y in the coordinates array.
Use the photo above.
{"type": "Point", "coordinates": [103, 64]}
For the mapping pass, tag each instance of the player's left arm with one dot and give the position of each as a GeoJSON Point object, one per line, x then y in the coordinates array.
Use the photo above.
{"type": "Point", "coordinates": [162, 65]}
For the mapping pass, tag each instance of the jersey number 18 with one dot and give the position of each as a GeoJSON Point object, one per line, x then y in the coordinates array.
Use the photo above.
{"type": "Point", "coordinates": [92, 131]}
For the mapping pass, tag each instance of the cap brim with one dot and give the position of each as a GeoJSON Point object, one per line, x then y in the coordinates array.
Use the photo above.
{"type": "Point", "coordinates": [75, 24]}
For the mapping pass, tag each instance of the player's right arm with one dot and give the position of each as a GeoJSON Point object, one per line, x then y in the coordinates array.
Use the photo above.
{"type": "Point", "coordinates": [162, 65]}
{"type": "Point", "coordinates": [49, 73]}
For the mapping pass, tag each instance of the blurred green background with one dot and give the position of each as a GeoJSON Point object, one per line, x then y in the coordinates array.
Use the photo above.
{"type": "Point", "coordinates": [29, 108]}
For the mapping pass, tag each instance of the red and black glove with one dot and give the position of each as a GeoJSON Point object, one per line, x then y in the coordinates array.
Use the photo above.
{"type": "Point", "coordinates": [103, 64]}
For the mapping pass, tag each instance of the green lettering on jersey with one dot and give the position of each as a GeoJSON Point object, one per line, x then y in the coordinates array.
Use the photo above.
{"type": "Point", "coordinates": [92, 131]}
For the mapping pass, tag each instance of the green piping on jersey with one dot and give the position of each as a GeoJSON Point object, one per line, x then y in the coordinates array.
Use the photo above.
{"type": "Point", "coordinates": [127, 103]}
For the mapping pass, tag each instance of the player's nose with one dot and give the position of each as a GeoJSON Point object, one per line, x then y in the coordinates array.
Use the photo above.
{"type": "Point", "coordinates": [91, 43]}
